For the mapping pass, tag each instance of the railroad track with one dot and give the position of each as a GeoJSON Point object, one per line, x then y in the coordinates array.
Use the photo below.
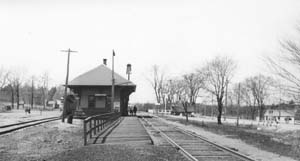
{"type": "Point", "coordinates": [5, 129]}
{"type": "Point", "coordinates": [193, 146]}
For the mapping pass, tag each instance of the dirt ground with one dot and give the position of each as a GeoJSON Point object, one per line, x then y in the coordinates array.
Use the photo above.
{"type": "Point", "coordinates": [62, 141]}
{"type": "Point", "coordinates": [57, 141]}
{"type": "Point", "coordinates": [120, 153]}
{"type": "Point", "coordinates": [264, 144]}
{"type": "Point", "coordinates": [15, 116]}
{"type": "Point", "coordinates": [36, 143]}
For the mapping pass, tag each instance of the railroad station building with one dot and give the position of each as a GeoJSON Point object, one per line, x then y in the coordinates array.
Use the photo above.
{"type": "Point", "coordinates": [94, 91]}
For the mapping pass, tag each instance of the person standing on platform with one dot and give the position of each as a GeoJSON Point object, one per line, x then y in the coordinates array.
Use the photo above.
{"type": "Point", "coordinates": [130, 111]}
{"type": "Point", "coordinates": [134, 110]}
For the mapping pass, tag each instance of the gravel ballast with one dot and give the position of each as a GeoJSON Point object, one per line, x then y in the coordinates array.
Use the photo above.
{"type": "Point", "coordinates": [119, 153]}
{"type": "Point", "coordinates": [56, 141]}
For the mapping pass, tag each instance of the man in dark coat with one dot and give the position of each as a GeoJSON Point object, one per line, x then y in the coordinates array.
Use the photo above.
{"type": "Point", "coordinates": [134, 110]}
{"type": "Point", "coordinates": [70, 107]}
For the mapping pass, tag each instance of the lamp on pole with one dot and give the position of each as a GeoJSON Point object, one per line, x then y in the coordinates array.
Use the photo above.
{"type": "Point", "coordinates": [166, 103]}
{"type": "Point", "coordinates": [128, 70]}
{"type": "Point", "coordinates": [226, 94]}
{"type": "Point", "coordinates": [238, 112]}
{"type": "Point", "coordinates": [212, 106]}
{"type": "Point", "coordinates": [113, 83]}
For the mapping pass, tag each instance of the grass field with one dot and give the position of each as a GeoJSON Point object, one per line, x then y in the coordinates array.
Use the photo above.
{"type": "Point", "coordinates": [285, 143]}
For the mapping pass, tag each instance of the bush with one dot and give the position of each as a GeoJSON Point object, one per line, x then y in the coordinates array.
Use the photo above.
{"type": "Point", "coordinates": [296, 147]}
{"type": "Point", "coordinates": [8, 108]}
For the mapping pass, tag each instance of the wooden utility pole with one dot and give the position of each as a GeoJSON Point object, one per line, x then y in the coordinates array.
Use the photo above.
{"type": "Point", "coordinates": [32, 94]}
{"type": "Point", "coordinates": [226, 100]}
{"type": "Point", "coordinates": [113, 83]}
{"type": "Point", "coordinates": [66, 85]}
{"type": "Point", "coordinates": [238, 110]}
{"type": "Point", "coordinates": [212, 106]}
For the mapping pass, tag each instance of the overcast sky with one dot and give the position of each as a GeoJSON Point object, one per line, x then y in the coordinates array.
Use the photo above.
{"type": "Point", "coordinates": [177, 35]}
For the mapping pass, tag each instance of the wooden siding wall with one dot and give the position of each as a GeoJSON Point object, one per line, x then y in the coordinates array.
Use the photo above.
{"type": "Point", "coordinates": [85, 92]}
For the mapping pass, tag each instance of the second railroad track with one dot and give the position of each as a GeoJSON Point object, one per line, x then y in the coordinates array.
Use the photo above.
{"type": "Point", "coordinates": [5, 129]}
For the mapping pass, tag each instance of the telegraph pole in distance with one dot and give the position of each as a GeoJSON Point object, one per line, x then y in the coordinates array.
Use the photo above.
{"type": "Point", "coordinates": [212, 106]}
{"type": "Point", "coordinates": [66, 85]}
{"type": "Point", "coordinates": [238, 107]}
{"type": "Point", "coordinates": [113, 82]}
{"type": "Point", "coordinates": [226, 100]}
{"type": "Point", "coordinates": [32, 95]}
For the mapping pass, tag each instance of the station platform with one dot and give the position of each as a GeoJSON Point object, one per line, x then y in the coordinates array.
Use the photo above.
{"type": "Point", "coordinates": [129, 131]}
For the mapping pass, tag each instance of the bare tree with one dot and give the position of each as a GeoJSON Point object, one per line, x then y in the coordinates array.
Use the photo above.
{"type": "Point", "coordinates": [157, 83]}
{"type": "Point", "coordinates": [183, 98]}
{"type": "Point", "coordinates": [51, 93]}
{"type": "Point", "coordinates": [171, 91]}
{"type": "Point", "coordinates": [14, 84]}
{"type": "Point", "coordinates": [178, 92]}
{"type": "Point", "coordinates": [259, 86]}
{"type": "Point", "coordinates": [179, 89]}
{"type": "Point", "coordinates": [15, 80]}
{"type": "Point", "coordinates": [3, 77]}
{"type": "Point", "coordinates": [44, 81]}
{"type": "Point", "coordinates": [287, 64]}
{"type": "Point", "coordinates": [164, 93]}
{"type": "Point", "coordinates": [193, 83]}
{"type": "Point", "coordinates": [58, 93]}
{"type": "Point", "coordinates": [248, 98]}
{"type": "Point", "coordinates": [25, 91]}
{"type": "Point", "coordinates": [12, 87]}
{"type": "Point", "coordinates": [175, 90]}
{"type": "Point", "coordinates": [218, 73]}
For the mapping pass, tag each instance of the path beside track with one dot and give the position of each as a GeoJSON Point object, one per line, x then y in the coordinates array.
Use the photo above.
{"type": "Point", "coordinates": [129, 131]}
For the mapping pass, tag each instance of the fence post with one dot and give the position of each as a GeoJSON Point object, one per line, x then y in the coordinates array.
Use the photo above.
{"type": "Point", "coordinates": [99, 120]}
{"type": "Point", "coordinates": [94, 127]}
{"type": "Point", "coordinates": [90, 130]}
{"type": "Point", "coordinates": [104, 122]}
{"type": "Point", "coordinates": [84, 132]}
{"type": "Point", "coordinates": [98, 125]}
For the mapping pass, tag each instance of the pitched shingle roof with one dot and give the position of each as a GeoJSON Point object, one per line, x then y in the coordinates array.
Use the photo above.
{"type": "Point", "coordinates": [99, 76]}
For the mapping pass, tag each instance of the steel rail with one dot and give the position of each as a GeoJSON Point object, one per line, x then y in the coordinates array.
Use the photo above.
{"type": "Point", "coordinates": [26, 122]}
{"type": "Point", "coordinates": [28, 125]}
{"type": "Point", "coordinates": [173, 143]}
{"type": "Point", "coordinates": [147, 130]}
{"type": "Point", "coordinates": [237, 154]}
{"type": "Point", "coordinates": [188, 155]}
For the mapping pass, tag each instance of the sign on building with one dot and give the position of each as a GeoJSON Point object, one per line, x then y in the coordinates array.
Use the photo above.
{"type": "Point", "coordinates": [117, 106]}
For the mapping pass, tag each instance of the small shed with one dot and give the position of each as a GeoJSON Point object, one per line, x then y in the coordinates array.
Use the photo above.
{"type": "Point", "coordinates": [94, 90]}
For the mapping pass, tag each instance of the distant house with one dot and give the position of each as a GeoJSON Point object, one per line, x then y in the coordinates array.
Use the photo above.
{"type": "Point", "coordinates": [94, 89]}
{"type": "Point", "coordinates": [58, 103]}
{"type": "Point", "coordinates": [283, 116]}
